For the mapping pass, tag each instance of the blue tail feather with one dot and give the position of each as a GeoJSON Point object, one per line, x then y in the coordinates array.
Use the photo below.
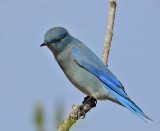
{"type": "Point", "coordinates": [128, 104]}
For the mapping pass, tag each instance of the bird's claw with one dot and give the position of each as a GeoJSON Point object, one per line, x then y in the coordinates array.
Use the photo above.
{"type": "Point", "coordinates": [83, 113]}
{"type": "Point", "coordinates": [87, 104]}
{"type": "Point", "coordinates": [83, 116]}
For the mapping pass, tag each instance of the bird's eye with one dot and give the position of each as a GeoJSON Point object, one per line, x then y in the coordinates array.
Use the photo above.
{"type": "Point", "coordinates": [59, 39]}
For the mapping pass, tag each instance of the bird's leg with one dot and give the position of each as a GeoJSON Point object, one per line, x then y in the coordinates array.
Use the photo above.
{"type": "Point", "coordinates": [86, 99]}
{"type": "Point", "coordinates": [89, 98]}
{"type": "Point", "coordinates": [88, 103]}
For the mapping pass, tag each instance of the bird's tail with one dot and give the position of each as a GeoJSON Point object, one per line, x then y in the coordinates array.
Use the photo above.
{"type": "Point", "coordinates": [133, 108]}
{"type": "Point", "coordinates": [129, 104]}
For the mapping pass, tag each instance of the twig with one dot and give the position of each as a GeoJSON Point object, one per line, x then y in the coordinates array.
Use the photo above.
{"type": "Point", "coordinates": [109, 31]}
{"type": "Point", "coordinates": [80, 110]}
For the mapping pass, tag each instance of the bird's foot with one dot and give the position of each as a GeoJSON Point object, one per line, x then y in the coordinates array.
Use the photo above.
{"type": "Point", "coordinates": [88, 103]}
{"type": "Point", "coordinates": [83, 111]}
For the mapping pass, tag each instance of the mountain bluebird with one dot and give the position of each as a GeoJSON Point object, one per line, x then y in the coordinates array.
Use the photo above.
{"type": "Point", "coordinates": [86, 71]}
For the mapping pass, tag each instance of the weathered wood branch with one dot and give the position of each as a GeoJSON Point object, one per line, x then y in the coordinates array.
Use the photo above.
{"type": "Point", "coordinates": [78, 111]}
{"type": "Point", "coordinates": [75, 113]}
{"type": "Point", "coordinates": [109, 31]}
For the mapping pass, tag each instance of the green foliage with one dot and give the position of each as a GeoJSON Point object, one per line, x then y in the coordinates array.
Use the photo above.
{"type": "Point", "coordinates": [39, 115]}
{"type": "Point", "coordinates": [39, 118]}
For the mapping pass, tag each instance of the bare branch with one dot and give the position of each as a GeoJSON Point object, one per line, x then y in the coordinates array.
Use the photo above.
{"type": "Point", "coordinates": [80, 110]}
{"type": "Point", "coordinates": [109, 31]}
{"type": "Point", "coordinates": [75, 113]}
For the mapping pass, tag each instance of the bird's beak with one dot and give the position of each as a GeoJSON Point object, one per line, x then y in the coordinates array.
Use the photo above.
{"type": "Point", "coordinates": [44, 44]}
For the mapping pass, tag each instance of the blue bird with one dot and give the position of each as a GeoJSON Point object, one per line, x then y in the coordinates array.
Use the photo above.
{"type": "Point", "coordinates": [86, 71]}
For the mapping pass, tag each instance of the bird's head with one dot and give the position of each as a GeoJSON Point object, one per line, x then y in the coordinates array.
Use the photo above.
{"type": "Point", "coordinates": [56, 39]}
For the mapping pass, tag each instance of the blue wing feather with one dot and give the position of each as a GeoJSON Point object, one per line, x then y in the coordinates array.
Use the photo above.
{"type": "Point", "coordinates": [88, 60]}
{"type": "Point", "coordinates": [93, 64]}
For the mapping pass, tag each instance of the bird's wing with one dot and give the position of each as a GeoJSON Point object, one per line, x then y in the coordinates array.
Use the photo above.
{"type": "Point", "coordinates": [89, 61]}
